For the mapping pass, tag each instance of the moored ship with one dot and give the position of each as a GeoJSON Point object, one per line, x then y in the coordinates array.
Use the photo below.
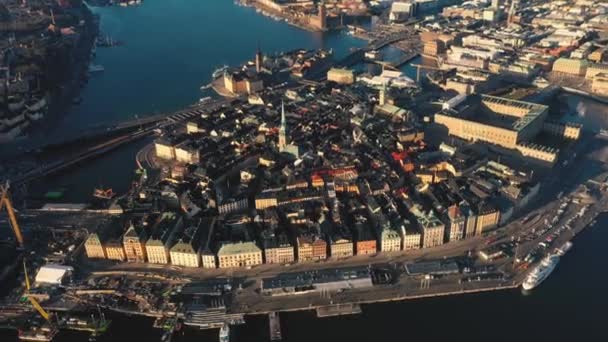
{"type": "Point", "coordinates": [225, 333]}
{"type": "Point", "coordinates": [540, 272]}
{"type": "Point", "coordinates": [561, 251]}
{"type": "Point", "coordinates": [44, 333]}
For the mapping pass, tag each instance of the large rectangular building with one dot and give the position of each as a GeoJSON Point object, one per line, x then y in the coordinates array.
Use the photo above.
{"type": "Point", "coordinates": [107, 236]}
{"type": "Point", "coordinates": [134, 243]}
{"type": "Point", "coordinates": [239, 254]}
{"type": "Point", "coordinates": [160, 242]}
{"type": "Point", "coordinates": [94, 248]}
{"type": "Point", "coordinates": [185, 252]}
{"type": "Point", "coordinates": [488, 217]}
{"type": "Point", "coordinates": [431, 227]}
{"type": "Point", "coordinates": [390, 240]}
{"type": "Point", "coordinates": [492, 119]}
{"type": "Point", "coordinates": [278, 250]}
{"type": "Point", "coordinates": [412, 240]}
{"type": "Point", "coordinates": [341, 247]}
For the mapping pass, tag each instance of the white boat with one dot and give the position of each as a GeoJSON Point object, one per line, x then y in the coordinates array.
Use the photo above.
{"type": "Point", "coordinates": [96, 68]}
{"type": "Point", "coordinates": [561, 251]}
{"type": "Point", "coordinates": [204, 99]}
{"type": "Point", "coordinates": [541, 272]}
{"type": "Point", "coordinates": [225, 333]}
{"type": "Point", "coordinates": [219, 71]}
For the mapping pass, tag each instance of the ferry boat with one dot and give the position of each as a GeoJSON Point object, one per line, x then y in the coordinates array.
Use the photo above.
{"type": "Point", "coordinates": [561, 251]}
{"type": "Point", "coordinates": [541, 272]}
{"type": "Point", "coordinates": [225, 333]}
{"type": "Point", "coordinates": [219, 71]}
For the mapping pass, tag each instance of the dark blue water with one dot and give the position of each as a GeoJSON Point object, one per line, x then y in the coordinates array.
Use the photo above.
{"type": "Point", "coordinates": [171, 49]}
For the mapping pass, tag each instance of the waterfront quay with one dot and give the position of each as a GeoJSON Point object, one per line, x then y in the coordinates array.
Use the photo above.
{"type": "Point", "coordinates": [307, 202]}
{"type": "Point", "coordinates": [340, 283]}
{"type": "Point", "coordinates": [311, 17]}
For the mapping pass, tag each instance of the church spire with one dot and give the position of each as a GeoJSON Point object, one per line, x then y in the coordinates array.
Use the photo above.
{"type": "Point", "coordinates": [283, 128]}
{"type": "Point", "coordinates": [258, 59]}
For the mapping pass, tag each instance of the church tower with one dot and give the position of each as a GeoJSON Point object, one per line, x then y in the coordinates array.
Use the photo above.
{"type": "Point", "coordinates": [283, 129]}
{"type": "Point", "coordinates": [322, 16]}
{"type": "Point", "coordinates": [258, 59]}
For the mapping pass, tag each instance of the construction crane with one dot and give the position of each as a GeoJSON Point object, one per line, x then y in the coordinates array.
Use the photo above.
{"type": "Point", "coordinates": [33, 300]}
{"type": "Point", "coordinates": [420, 66]}
{"type": "Point", "coordinates": [5, 201]}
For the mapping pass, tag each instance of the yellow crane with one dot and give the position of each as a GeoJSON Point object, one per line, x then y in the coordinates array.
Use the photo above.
{"type": "Point", "coordinates": [33, 300]}
{"type": "Point", "coordinates": [5, 201]}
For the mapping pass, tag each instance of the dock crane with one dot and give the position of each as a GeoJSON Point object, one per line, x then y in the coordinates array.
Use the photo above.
{"type": "Point", "coordinates": [35, 304]}
{"type": "Point", "coordinates": [5, 201]}
{"type": "Point", "coordinates": [420, 66]}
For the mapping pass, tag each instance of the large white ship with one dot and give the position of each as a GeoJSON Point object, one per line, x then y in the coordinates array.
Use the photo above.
{"type": "Point", "coordinates": [564, 248]}
{"type": "Point", "coordinates": [540, 272]}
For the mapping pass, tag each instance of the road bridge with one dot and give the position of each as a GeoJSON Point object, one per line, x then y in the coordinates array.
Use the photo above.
{"type": "Point", "coordinates": [116, 136]}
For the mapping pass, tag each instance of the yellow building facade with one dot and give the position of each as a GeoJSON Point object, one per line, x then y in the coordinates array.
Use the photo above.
{"type": "Point", "coordinates": [341, 248]}
{"type": "Point", "coordinates": [279, 255]}
{"type": "Point", "coordinates": [240, 254]}
{"type": "Point", "coordinates": [93, 247]}
{"type": "Point", "coordinates": [570, 66]}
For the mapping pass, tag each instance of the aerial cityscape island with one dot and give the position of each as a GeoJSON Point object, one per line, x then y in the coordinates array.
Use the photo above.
{"type": "Point", "coordinates": [439, 157]}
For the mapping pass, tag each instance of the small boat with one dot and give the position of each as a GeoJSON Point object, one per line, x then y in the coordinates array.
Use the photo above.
{"type": "Point", "coordinates": [204, 99]}
{"type": "Point", "coordinates": [225, 333]}
{"type": "Point", "coordinates": [96, 68]}
{"type": "Point", "coordinates": [219, 71]}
